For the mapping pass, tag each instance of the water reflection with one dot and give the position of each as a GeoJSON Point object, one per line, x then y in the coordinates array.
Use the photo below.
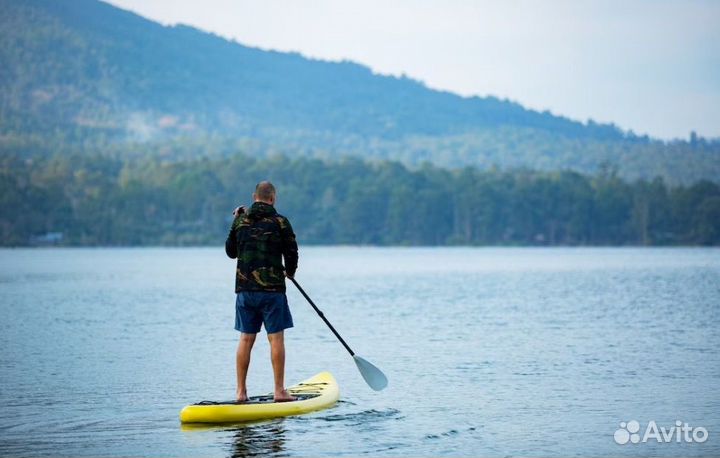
{"type": "Point", "coordinates": [267, 439]}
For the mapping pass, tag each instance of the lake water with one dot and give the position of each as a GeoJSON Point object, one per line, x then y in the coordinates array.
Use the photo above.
{"type": "Point", "coordinates": [489, 351]}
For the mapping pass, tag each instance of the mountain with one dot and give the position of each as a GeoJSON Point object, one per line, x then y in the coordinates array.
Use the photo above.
{"type": "Point", "coordinates": [84, 74]}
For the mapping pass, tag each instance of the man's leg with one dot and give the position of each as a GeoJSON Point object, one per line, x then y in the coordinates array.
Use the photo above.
{"type": "Point", "coordinates": [277, 356]}
{"type": "Point", "coordinates": [242, 362]}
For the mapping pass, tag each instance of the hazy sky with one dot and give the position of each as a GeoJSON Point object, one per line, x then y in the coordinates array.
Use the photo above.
{"type": "Point", "coordinates": [652, 66]}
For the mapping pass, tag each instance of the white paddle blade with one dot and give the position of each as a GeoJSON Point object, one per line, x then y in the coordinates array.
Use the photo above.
{"type": "Point", "coordinates": [372, 375]}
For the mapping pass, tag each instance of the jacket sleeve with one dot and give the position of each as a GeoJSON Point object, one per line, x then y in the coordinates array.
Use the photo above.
{"type": "Point", "coordinates": [231, 243]}
{"type": "Point", "coordinates": [289, 247]}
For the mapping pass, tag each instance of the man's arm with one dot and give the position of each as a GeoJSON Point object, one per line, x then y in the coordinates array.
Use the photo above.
{"type": "Point", "coordinates": [289, 247]}
{"type": "Point", "coordinates": [231, 241]}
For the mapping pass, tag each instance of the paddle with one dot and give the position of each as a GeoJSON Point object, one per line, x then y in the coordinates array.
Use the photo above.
{"type": "Point", "coordinates": [372, 375]}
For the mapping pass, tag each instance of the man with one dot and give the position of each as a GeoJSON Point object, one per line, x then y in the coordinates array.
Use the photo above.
{"type": "Point", "coordinates": [260, 239]}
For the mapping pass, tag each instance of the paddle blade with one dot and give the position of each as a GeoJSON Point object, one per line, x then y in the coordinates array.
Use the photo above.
{"type": "Point", "coordinates": [372, 375]}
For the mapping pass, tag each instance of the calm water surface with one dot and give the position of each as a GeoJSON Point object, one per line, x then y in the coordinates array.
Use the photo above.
{"type": "Point", "coordinates": [489, 351]}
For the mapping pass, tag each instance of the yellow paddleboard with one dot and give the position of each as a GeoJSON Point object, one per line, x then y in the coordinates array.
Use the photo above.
{"type": "Point", "coordinates": [316, 393]}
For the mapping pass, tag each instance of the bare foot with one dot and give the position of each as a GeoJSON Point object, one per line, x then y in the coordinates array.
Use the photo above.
{"type": "Point", "coordinates": [283, 396]}
{"type": "Point", "coordinates": [241, 396]}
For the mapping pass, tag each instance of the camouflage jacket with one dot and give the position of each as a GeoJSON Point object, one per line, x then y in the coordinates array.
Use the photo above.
{"type": "Point", "coordinates": [259, 239]}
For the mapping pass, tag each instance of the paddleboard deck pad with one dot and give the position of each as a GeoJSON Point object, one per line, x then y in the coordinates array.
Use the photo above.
{"type": "Point", "coordinates": [316, 393]}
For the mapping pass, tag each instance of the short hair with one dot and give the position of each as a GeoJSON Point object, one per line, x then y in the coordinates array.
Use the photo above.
{"type": "Point", "coordinates": [265, 190]}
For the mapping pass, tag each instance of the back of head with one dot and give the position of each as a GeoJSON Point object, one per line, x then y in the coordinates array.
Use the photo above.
{"type": "Point", "coordinates": [265, 192]}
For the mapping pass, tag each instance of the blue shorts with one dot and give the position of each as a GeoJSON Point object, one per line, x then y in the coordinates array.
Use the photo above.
{"type": "Point", "coordinates": [253, 308]}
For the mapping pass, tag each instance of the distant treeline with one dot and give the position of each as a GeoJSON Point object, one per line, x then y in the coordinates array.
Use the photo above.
{"type": "Point", "coordinates": [100, 200]}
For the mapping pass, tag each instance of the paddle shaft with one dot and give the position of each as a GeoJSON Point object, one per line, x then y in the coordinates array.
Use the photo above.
{"type": "Point", "coordinates": [322, 315]}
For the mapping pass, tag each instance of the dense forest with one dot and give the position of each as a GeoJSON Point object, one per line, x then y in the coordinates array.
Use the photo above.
{"type": "Point", "coordinates": [85, 75]}
{"type": "Point", "coordinates": [100, 200]}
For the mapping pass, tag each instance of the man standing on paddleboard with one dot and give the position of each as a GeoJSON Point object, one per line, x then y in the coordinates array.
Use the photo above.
{"type": "Point", "coordinates": [260, 239]}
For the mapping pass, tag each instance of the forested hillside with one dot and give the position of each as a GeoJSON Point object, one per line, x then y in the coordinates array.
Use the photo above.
{"type": "Point", "coordinates": [115, 130]}
{"type": "Point", "coordinates": [85, 76]}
